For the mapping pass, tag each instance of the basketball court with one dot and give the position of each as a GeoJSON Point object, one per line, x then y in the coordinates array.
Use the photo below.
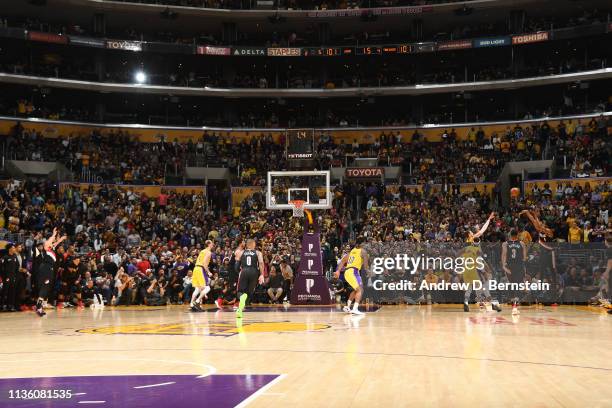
{"type": "Point", "coordinates": [310, 353]}
{"type": "Point", "coordinates": [310, 356]}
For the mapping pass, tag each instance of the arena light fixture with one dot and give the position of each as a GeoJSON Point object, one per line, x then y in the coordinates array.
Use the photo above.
{"type": "Point", "coordinates": [140, 77]}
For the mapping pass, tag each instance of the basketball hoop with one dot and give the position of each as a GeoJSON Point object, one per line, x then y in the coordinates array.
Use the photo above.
{"type": "Point", "coordinates": [298, 207]}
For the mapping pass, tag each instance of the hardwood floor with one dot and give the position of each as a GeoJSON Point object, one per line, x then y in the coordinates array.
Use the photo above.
{"type": "Point", "coordinates": [434, 356]}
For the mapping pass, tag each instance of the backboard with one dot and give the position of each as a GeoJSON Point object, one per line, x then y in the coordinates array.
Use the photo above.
{"type": "Point", "coordinates": [313, 187]}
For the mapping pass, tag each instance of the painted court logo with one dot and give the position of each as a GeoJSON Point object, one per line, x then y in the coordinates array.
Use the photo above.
{"type": "Point", "coordinates": [218, 328]}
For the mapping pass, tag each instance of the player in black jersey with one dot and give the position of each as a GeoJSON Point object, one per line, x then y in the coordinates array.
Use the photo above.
{"type": "Point", "coordinates": [514, 256]}
{"type": "Point", "coordinates": [46, 267]}
{"type": "Point", "coordinates": [540, 226]}
{"type": "Point", "coordinates": [251, 272]}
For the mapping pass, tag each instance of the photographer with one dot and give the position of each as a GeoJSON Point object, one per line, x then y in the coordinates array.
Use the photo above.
{"type": "Point", "coordinates": [175, 286]}
{"type": "Point", "coordinates": [155, 294]}
{"type": "Point", "coordinates": [124, 286]}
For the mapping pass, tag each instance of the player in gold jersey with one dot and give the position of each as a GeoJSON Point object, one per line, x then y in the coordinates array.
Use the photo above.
{"type": "Point", "coordinates": [471, 274]}
{"type": "Point", "coordinates": [474, 273]}
{"type": "Point", "coordinates": [351, 264]}
{"type": "Point", "coordinates": [475, 236]}
{"type": "Point", "coordinates": [201, 276]}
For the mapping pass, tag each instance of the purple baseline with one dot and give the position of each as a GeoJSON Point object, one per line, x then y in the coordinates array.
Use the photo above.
{"type": "Point", "coordinates": [137, 391]}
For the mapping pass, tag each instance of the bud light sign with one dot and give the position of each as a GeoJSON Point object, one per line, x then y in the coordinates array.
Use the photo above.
{"type": "Point", "coordinates": [491, 42]}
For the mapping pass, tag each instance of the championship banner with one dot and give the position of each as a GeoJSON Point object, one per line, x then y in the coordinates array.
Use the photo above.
{"type": "Point", "coordinates": [530, 38]}
{"type": "Point", "coordinates": [492, 42]}
{"type": "Point", "coordinates": [124, 45]}
{"type": "Point", "coordinates": [208, 50]}
{"type": "Point", "coordinates": [310, 285]}
{"type": "Point", "coordinates": [454, 45]}
{"type": "Point", "coordinates": [248, 52]}
{"type": "Point", "coordinates": [365, 172]}
{"type": "Point", "coordinates": [47, 37]}
{"type": "Point", "coordinates": [284, 52]}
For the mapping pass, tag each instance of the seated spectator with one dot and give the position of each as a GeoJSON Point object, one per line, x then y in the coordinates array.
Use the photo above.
{"type": "Point", "coordinates": [124, 285]}
{"type": "Point", "coordinates": [187, 288]}
{"type": "Point", "coordinates": [89, 293]}
{"type": "Point", "coordinates": [275, 285]}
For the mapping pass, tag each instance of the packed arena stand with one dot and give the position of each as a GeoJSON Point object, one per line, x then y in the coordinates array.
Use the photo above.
{"type": "Point", "coordinates": [579, 145]}
{"type": "Point", "coordinates": [117, 236]}
{"type": "Point", "coordinates": [114, 230]}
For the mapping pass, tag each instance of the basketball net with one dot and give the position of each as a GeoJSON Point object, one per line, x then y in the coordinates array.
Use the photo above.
{"type": "Point", "coordinates": [298, 207]}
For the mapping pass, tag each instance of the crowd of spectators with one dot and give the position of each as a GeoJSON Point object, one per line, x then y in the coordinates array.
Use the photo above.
{"type": "Point", "coordinates": [110, 157]}
{"type": "Point", "coordinates": [126, 248]}
{"type": "Point", "coordinates": [579, 146]}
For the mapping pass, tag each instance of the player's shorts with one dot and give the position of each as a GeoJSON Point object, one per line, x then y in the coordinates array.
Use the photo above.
{"type": "Point", "coordinates": [199, 277]}
{"type": "Point", "coordinates": [470, 275]}
{"type": "Point", "coordinates": [517, 273]}
{"type": "Point", "coordinates": [247, 281]}
{"type": "Point", "coordinates": [352, 277]}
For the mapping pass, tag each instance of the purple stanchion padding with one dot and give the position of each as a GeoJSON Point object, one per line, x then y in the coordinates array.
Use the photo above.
{"type": "Point", "coordinates": [310, 285]}
{"type": "Point", "coordinates": [135, 391]}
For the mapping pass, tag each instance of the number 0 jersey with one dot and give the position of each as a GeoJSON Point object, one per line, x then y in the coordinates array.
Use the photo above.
{"type": "Point", "coordinates": [249, 259]}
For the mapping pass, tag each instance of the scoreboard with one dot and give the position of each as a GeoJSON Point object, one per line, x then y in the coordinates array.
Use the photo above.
{"type": "Point", "coordinates": [300, 144]}
{"type": "Point", "coordinates": [328, 51]}
{"type": "Point", "coordinates": [349, 51]}
{"type": "Point", "coordinates": [383, 49]}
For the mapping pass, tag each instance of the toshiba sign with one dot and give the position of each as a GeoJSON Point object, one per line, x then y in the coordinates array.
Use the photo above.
{"type": "Point", "coordinates": [365, 172]}
{"type": "Point", "coordinates": [530, 38]}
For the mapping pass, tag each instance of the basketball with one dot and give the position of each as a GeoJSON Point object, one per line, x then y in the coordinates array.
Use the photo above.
{"type": "Point", "coordinates": [515, 192]}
